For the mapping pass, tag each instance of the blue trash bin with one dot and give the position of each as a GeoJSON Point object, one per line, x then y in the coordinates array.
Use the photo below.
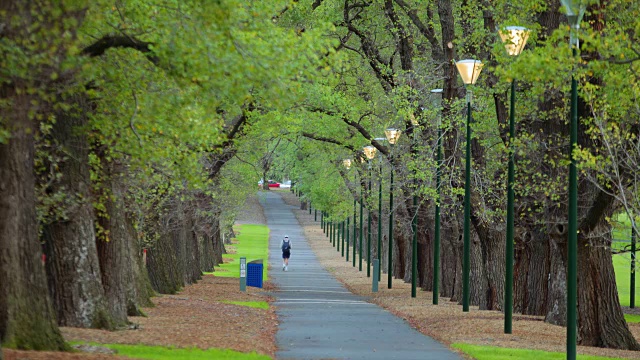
{"type": "Point", "coordinates": [254, 273]}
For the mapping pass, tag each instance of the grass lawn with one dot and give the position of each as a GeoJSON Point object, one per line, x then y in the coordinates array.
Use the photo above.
{"type": "Point", "coordinates": [165, 353]}
{"type": "Point", "coordinates": [632, 318]}
{"type": "Point", "coordinates": [252, 242]}
{"type": "Point", "coordinates": [253, 304]}
{"type": "Point", "coordinates": [622, 266]}
{"type": "Point", "coordinates": [498, 353]}
{"type": "Point", "coordinates": [622, 262]}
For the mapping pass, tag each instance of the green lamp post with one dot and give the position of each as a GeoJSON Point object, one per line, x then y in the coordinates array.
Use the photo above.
{"type": "Point", "coordinates": [379, 252]}
{"type": "Point", "coordinates": [632, 287]}
{"type": "Point", "coordinates": [514, 39]}
{"type": "Point", "coordinates": [575, 11]}
{"type": "Point", "coordinates": [437, 100]}
{"type": "Point", "coordinates": [392, 136]}
{"type": "Point", "coordinates": [370, 153]}
{"type": "Point", "coordinates": [469, 71]}
{"type": "Point", "coordinates": [354, 233]}
{"type": "Point", "coordinates": [347, 164]}
{"type": "Point", "coordinates": [414, 223]}
{"type": "Point", "coordinates": [354, 229]}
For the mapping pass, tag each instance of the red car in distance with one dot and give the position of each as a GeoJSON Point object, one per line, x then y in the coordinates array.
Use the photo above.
{"type": "Point", "coordinates": [270, 183]}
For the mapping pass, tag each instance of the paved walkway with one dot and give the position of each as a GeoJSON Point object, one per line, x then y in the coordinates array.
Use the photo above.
{"type": "Point", "coordinates": [319, 318]}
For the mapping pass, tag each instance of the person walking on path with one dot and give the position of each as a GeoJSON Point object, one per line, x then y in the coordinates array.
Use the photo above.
{"type": "Point", "coordinates": [285, 245]}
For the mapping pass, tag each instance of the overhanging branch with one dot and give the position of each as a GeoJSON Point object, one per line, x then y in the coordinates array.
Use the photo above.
{"type": "Point", "coordinates": [120, 41]}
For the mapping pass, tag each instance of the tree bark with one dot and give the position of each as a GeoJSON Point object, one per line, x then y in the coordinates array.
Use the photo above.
{"type": "Point", "coordinates": [72, 263]}
{"type": "Point", "coordinates": [531, 272]}
{"type": "Point", "coordinates": [218, 245]}
{"type": "Point", "coordinates": [162, 265]}
{"type": "Point", "coordinates": [208, 256]}
{"type": "Point", "coordinates": [27, 319]}
{"type": "Point", "coordinates": [600, 318]}
{"type": "Point", "coordinates": [139, 290]}
{"type": "Point", "coordinates": [113, 244]}
{"type": "Point", "coordinates": [492, 244]}
{"type": "Point", "coordinates": [425, 246]}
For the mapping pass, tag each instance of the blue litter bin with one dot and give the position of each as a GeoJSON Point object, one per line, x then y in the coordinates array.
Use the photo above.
{"type": "Point", "coordinates": [254, 273]}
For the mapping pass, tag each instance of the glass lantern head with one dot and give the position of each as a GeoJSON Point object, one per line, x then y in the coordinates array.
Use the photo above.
{"type": "Point", "coordinates": [514, 39]}
{"type": "Point", "coordinates": [469, 70]}
{"type": "Point", "coordinates": [392, 135]}
{"type": "Point", "coordinates": [369, 151]}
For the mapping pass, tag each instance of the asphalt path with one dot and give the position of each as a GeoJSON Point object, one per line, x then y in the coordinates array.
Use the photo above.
{"type": "Point", "coordinates": [320, 318]}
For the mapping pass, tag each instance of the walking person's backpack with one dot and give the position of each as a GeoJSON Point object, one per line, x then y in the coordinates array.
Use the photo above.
{"type": "Point", "coordinates": [286, 245]}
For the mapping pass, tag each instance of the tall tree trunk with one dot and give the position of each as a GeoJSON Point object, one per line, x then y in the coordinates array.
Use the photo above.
{"type": "Point", "coordinates": [192, 251]}
{"type": "Point", "coordinates": [72, 263]}
{"type": "Point", "coordinates": [162, 264]}
{"type": "Point", "coordinates": [425, 245]}
{"type": "Point", "coordinates": [139, 290]}
{"type": "Point", "coordinates": [492, 244]}
{"type": "Point", "coordinates": [455, 244]}
{"type": "Point", "coordinates": [218, 245]}
{"type": "Point", "coordinates": [600, 318]}
{"type": "Point", "coordinates": [531, 272]}
{"type": "Point", "coordinates": [207, 258]}
{"type": "Point", "coordinates": [113, 245]}
{"type": "Point", "coordinates": [477, 277]}
{"type": "Point", "coordinates": [27, 319]}
{"type": "Point", "coordinates": [402, 238]}
{"type": "Point", "coordinates": [179, 238]}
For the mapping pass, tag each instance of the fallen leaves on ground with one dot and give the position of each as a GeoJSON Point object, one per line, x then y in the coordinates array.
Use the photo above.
{"type": "Point", "coordinates": [195, 317]}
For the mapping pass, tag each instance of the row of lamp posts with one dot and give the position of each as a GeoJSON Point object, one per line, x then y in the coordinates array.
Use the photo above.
{"type": "Point", "coordinates": [514, 39]}
{"type": "Point", "coordinates": [392, 136]}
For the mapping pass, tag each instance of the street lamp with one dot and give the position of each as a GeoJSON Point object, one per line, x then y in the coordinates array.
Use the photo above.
{"type": "Point", "coordinates": [392, 136]}
{"type": "Point", "coordinates": [575, 11]}
{"type": "Point", "coordinates": [370, 153]}
{"type": "Point", "coordinates": [414, 222]}
{"type": "Point", "coordinates": [380, 139]}
{"type": "Point", "coordinates": [514, 39]}
{"type": "Point", "coordinates": [437, 99]}
{"type": "Point", "coordinates": [347, 164]}
{"type": "Point", "coordinates": [469, 71]}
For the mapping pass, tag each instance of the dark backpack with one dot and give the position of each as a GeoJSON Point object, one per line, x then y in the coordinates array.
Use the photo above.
{"type": "Point", "coordinates": [286, 245]}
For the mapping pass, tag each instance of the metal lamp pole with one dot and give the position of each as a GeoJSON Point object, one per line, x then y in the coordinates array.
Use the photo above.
{"type": "Point", "coordinates": [437, 99]}
{"type": "Point", "coordinates": [469, 71]}
{"type": "Point", "coordinates": [379, 253]}
{"type": "Point", "coordinates": [339, 233]}
{"type": "Point", "coordinates": [414, 224]}
{"type": "Point", "coordinates": [392, 136]}
{"type": "Point", "coordinates": [380, 221]}
{"type": "Point", "coordinates": [632, 296]}
{"type": "Point", "coordinates": [575, 11]}
{"type": "Point", "coordinates": [414, 248]}
{"type": "Point", "coordinates": [361, 232]}
{"type": "Point", "coordinates": [347, 239]}
{"type": "Point", "coordinates": [354, 233]}
{"type": "Point", "coordinates": [514, 39]}
{"type": "Point", "coordinates": [369, 229]}
{"type": "Point", "coordinates": [370, 153]}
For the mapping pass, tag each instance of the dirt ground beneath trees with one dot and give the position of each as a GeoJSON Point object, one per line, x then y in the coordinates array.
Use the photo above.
{"type": "Point", "coordinates": [197, 317]}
